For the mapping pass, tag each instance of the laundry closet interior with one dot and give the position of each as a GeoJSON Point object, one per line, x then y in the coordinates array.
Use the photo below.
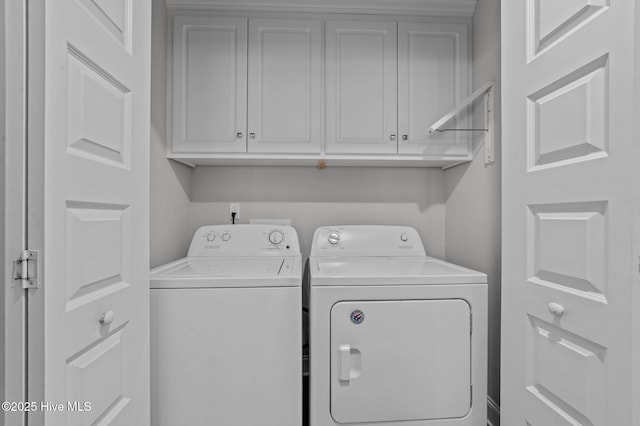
{"type": "Point", "coordinates": [350, 144]}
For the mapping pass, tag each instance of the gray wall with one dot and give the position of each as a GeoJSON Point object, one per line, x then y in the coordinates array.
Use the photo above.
{"type": "Point", "coordinates": [336, 195]}
{"type": "Point", "coordinates": [170, 181]}
{"type": "Point", "coordinates": [472, 231]}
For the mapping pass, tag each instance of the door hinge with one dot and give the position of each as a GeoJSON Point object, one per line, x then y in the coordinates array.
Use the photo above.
{"type": "Point", "coordinates": [25, 269]}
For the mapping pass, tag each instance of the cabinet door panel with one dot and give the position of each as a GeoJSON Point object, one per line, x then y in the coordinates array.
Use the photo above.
{"type": "Point", "coordinates": [361, 87]}
{"type": "Point", "coordinates": [432, 79]}
{"type": "Point", "coordinates": [209, 84]}
{"type": "Point", "coordinates": [284, 86]}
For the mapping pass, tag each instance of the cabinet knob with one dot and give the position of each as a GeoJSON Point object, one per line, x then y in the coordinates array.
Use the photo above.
{"type": "Point", "coordinates": [405, 137]}
{"type": "Point", "coordinates": [252, 135]}
{"type": "Point", "coordinates": [392, 137]}
{"type": "Point", "coordinates": [239, 135]}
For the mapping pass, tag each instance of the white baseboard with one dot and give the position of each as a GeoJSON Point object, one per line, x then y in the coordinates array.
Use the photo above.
{"type": "Point", "coordinates": [493, 413]}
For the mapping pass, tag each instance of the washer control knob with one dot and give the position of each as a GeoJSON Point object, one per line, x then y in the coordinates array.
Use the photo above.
{"type": "Point", "coordinates": [334, 238]}
{"type": "Point", "coordinates": [226, 236]}
{"type": "Point", "coordinates": [276, 237]}
{"type": "Point", "coordinates": [403, 238]}
{"type": "Point", "coordinates": [211, 236]}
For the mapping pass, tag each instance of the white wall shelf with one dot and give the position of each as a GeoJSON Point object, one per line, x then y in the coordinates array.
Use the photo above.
{"type": "Point", "coordinates": [314, 160]}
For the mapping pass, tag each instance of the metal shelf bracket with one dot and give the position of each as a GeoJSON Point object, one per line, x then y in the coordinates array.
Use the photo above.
{"type": "Point", "coordinates": [489, 145]}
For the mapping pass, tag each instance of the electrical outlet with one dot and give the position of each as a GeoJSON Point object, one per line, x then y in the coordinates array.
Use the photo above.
{"type": "Point", "coordinates": [234, 208]}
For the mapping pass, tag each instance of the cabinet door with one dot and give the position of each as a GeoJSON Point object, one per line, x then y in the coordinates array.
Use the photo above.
{"type": "Point", "coordinates": [284, 86]}
{"type": "Point", "coordinates": [432, 79]}
{"type": "Point", "coordinates": [361, 87]}
{"type": "Point", "coordinates": [209, 84]}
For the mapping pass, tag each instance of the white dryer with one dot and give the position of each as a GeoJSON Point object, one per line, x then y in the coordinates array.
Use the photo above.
{"type": "Point", "coordinates": [226, 330]}
{"type": "Point", "coordinates": [397, 337]}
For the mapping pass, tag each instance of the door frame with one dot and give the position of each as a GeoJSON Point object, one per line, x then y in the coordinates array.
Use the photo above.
{"type": "Point", "coordinates": [34, 225]}
{"type": "Point", "coordinates": [635, 315]}
{"type": "Point", "coordinates": [13, 124]}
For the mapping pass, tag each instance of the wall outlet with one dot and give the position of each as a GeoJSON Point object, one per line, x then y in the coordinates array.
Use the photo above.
{"type": "Point", "coordinates": [234, 208]}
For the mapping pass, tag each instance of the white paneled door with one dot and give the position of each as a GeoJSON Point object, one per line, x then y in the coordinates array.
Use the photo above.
{"type": "Point", "coordinates": [89, 211]}
{"type": "Point", "coordinates": [570, 167]}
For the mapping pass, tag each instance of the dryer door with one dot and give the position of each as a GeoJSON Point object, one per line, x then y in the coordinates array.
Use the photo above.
{"type": "Point", "coordinates": [400, 360]}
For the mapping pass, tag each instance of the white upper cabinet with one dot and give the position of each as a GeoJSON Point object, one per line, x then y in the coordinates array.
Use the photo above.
{"type": "Point", "coordinates": [362, 90]}
{"type": "Point", "coordinates": [432, 79]}
{"type": "Point", "coordinates": [361, 81]}
{"type": "Point", "coordinates": [284, 86]}
{"type": "Point", "coordinates": [209, 108]}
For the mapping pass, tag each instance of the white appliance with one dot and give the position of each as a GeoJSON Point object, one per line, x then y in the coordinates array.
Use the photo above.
{"type": "Point", "coordinates": [226, 330]}
{"type": "Point", "coordinates": [397, 337]}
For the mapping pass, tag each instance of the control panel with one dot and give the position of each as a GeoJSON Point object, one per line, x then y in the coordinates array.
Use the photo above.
{"type": "Point", "coordinates": [244, 240]}
{"type": "Point", "coordinates": [367, 240]}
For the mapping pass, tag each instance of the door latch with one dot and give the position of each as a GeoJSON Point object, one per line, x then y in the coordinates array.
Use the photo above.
{"type": "Point", "coordinates": [25, 269]}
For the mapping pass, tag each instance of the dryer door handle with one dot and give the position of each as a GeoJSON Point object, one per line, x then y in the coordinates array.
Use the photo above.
{"type": "Point", "coordinates": [344, 363]}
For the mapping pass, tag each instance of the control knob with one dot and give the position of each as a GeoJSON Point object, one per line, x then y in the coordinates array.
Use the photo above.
{"type": "Point", "coordinates": [211, 236]}
{"type": "Point", "coordinates": [226, 236]}
{"type": "Point", "coordinates": [276, 237]}
{"type": "Point", "coordinates": [403, 238]}
{"type": "Point", "coordinates": [334, 238]}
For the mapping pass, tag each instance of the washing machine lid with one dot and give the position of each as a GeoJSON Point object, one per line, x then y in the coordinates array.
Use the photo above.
{"type": "Point", "coordinates": [192, 272]}
{"type": "Point", "coordinates": [389, 271]}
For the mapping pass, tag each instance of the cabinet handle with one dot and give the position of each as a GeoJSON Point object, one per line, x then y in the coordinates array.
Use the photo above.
{"type": "Point", "coordinates": [405, 137]}
{"type": "Point", "coordinates": [252, 135]}
{"type": "Point", "coordinates": [239, 135]}
{"type": "Point", "coordinates": [392, 137]}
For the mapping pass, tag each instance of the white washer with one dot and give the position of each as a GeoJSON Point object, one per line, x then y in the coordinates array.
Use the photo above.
{"type": "Point", "coordinates": [397, 337]}
{"type": "Point", "coordinates": [226, 330]}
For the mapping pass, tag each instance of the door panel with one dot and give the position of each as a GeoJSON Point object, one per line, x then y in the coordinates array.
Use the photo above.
{"type": "Point", "coordinates": [209, 84]}
{"type": "Point", "coordinates": [361, 87]}
{"type": "Point", "coordinates": [567, 212]}
{"type": "Point", "coordinates": [90, 319]}
{"type": "Point", "coordinates": [284, 86]}
{"type": "Point", "coordinates": [226, 356]}
{"type": "Point", "coordinates": [400, 360]}
{"type": "Point", "coordinates": [432, 79]}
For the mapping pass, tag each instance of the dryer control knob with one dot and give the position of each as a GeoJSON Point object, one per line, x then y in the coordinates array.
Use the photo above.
{"type": "Point", "coordinates": [211, 236]}
{"type": "Point", "coordinates": [276, 237]}
{"type": "Point", "coordinates": [226, 236]}
{"type": "Point", "coordinates": [403, 238]}
{"type": "Point", "coordinates": [334, 238]}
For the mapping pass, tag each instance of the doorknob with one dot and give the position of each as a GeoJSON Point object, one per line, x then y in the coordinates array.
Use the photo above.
{"type": "Point", "coordinates": [107, 318]}
{"type": "Point", "coordinates": [556, 309]}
